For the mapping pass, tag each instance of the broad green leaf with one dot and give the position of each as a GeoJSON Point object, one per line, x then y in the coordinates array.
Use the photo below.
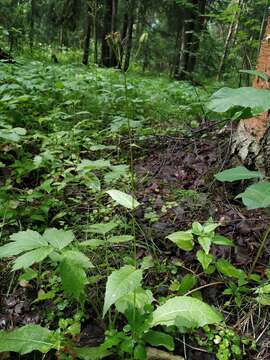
{"type": "Point", "coordinates": [86, 165]}
{"type": "Point", "coordinates": [123, 199]}
{"type": "Point", "coordinates": [210, 227]}
{"type": "Point", "coordinates": [157, 338]}
{"type": "Point", "coordinates": [92, 244]}
{"type": "Point", "coordinates": [14, 248]}
{"type": "Point", "coordinates": [263, 299]}
{"type": "Point", "coordinates": [236, 174]}
{"type": "Point", "coordinates": [140, 352]}
{"type": "Point", "coordinates": [21, 242]}
{"type": "Point", "coordinates": [92, 353]}
{"type": "Point", "coordinates": [222, 240]}
{"type": "Point", "coordinates": [26, 339]}
{"type": "Point", "coordinates": [29, 237]}
{"type": "Point", "coordinates": [245, 97]}
{"type": "Point", "coordinates": [188, 310]}
{"type": "Point", "coordinates": [205, 242]}
{"type": "Point", "coordinates": [42, 296]}
{"type": "Point", "coordinates": [120, 283]}
{"type": "Point", "coordinates": [59, 239]}
{"type": "Point", "coordinates": [188, 282]}
{"type": "Point", "coordinates": [197, 228]}
{"type": "Point", "coordinates": [28, 275]}
{"type": "Point", "coordinates": [92, 182]}
{"type": "Point", "coordinates": [183, 239]}
{"type": "Point", "coordinates": [256, 196]}
{"type": "Point", "coordinates": [147, 263]}
{"type": "Point", "coordinates": [78, 258]}
{"type": "Point", "coordinates": [265, 289]}
{"type": "Point", "coordinates": [34, 256]}
{"type": "Point", "coordinates": [117, 172]}
{"type": "Point", "coordinates": [140, 297]}
{"type": "Point", "coordinates": [102, 228]}
{"type": "Point", "coordinates": [102, 147]}
{"type": "Point", "coordinates": [226, 268]}
{"type": "Point", "coordinates": [120, 239]}
{"type": "Point", "coordinates": [204, 259]}
{"type": "Point", "coordinates": [256, 73]}
{"type": "Point", "coordinates": [73, 278]}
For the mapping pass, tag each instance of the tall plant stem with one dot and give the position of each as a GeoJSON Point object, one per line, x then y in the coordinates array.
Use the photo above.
{"type": "Point", "coordinates": [261, 248]}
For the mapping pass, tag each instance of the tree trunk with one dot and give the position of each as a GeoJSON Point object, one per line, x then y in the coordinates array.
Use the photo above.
{"type": "Point", "coordinates": [87, 37]}
{"type": "Point", "coordinates": [192, 26]}
{"type": "Point", "coordinates": [32, 24]}
{"type": "Point", "coordinates": [127, 34]}
{"type": "Point", "coordinates": [108, 57]}
{"type": "Point", "coordinates": [94, 9]}
{"type": "Point", "coordinates": [252, 138]}
{"type": "Point", "coordinates": [232, 32]}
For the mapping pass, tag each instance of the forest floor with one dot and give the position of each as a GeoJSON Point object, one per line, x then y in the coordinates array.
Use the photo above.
{"type": "Point", "coordinates": [71, 118]}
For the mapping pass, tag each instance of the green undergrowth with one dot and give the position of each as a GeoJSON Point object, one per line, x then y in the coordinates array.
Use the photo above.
{"type": "Point", "coordinates": [69, 225]}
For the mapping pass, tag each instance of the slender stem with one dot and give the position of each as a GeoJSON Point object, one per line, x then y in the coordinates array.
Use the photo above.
{"type": "Point", "coordinates": [261, 248]}
{"type": "Point", "coordinates": [203, 287]}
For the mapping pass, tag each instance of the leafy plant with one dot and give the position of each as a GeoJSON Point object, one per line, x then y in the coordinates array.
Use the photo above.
{"type": "Point", "coordinates": [34, 248]}
{"type": "Point", "coordinates": [124, 290]}
{"type": "Point", "coordinates": [205, 236]}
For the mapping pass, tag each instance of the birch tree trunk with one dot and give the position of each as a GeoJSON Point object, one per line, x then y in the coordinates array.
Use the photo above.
{"type": "Point", "coordinates": [252, 138]}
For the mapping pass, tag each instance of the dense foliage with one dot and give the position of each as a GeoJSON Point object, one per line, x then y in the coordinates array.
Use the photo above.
{"type": "Point", "coordinates": [126, 230]}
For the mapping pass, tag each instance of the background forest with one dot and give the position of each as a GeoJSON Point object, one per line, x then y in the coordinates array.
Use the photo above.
{"type": "Point", "coordinates": [175, 37]}
{"type": "Point", "coordinates": [134, 179]}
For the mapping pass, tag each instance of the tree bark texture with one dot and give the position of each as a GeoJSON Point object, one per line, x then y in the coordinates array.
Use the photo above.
{"type": "Point", "coordinates": [192, 25]}
{"type": "Point", "coordinates": [87, 37]}
{"type": "Point", "coordinates": [127, 34]}
{"type": "Point", "coordinates": [252, 139]}
{"type": "Point", "coordinates": [108, 58]}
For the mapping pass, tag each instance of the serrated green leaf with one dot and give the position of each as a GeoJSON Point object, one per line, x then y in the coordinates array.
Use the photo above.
{"type": "Point", "coordinates": [120, 239]}
{"type": "Point", "coordinates": [59, 239]}
{"type": "Point", "coordinates": [34, 256]}
{"type": "Point", "coordinates": [73, 278]}
{"type": "Point", "coordinates": [29, 237]}
{"type": "Point", "coordinates": [188, 310]}
{"type": "Point", "coordinates": [157, 338]}
{"type": "Point", "coordinates": [237, 174]}
{"type": "Point", "coordinates": [102, 228]}
{"type": "Point", "coordinates": [93, 243]}
{"type": "Point", "coordinates": [256, 196]}
{"type": "Point", "coordinates": [27, 339]}
{"type": "Point", "coordinates": [92, 182]}
{"type": "Point", "coordinates": [87, 165]}
{"type": "Point", "coordinates": [204, 259]}
{"type": "Point", "coordinates": [78, 258]}
{"type": "Point", "coordinates": [120, 283]}
{"type": "Point", "coordinates": [140, 297]}
{"type": "Point", "coordinates": [183, 239]}
{"type": "Point", "coordinates": [123, 199]}
{"type": "Point", "coordinates": [21, 242]}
